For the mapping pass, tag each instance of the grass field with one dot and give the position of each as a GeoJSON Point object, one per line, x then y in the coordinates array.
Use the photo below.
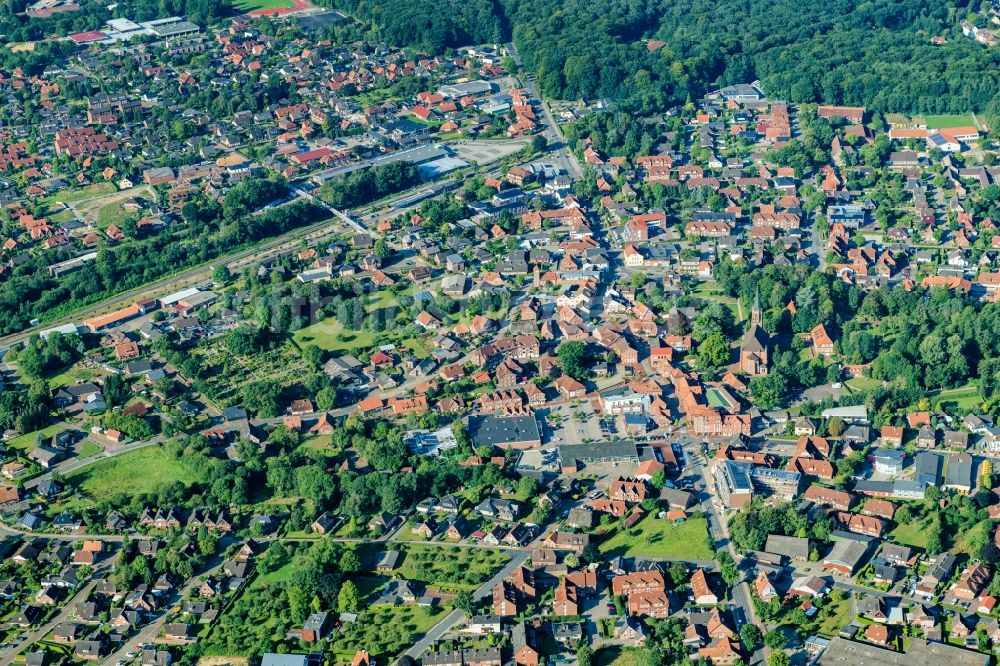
{"type": "Point", "coordinates": [964, 397]}
{"type": "Point", "coordinates": [89, 192]}
{"type": "Point", "coordinates": [616, 655]}
{"type": "Point", "coordinates": [89, 448]}
{"type": "Point", "coordinates": [912, 534]}
{"type": "Point", "coordinates": [140, 471]}
{"type": "Point", "coordinates": [329, 335]}
{"type": "Point", "coordinates": [949, 120]}
{"type": "Point", "coordinates": [448, 567]}
{"type": "Point", "coordinates": [256, 5]}
{"type": "Point", "coordinates": [654, 537]}
{"type": "Point", "coordinates": [27, 441]}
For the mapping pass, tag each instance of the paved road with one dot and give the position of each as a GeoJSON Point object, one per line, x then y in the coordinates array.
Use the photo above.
{"type": "Point", "coordinates": [454, 617]}
{"type": "Point", "coordinates": [550, 128]}
{"type": "Point", "coordinates": [719, 533]}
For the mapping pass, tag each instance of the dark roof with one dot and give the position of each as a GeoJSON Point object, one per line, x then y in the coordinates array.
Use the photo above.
{"type": "Point", "coordinates": [493, 430]}
{"type": "Point", "coordinates": [624, 449]}
{"type": "Point", "coordinates": [754, 340]}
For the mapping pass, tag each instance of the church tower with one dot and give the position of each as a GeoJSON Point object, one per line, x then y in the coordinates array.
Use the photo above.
{"type": "Point", "coordinates": [755, 314]}
{"type": "Point", "coordinates": [754, 348]}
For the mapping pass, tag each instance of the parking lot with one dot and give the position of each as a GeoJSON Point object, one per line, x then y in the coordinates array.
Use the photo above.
{"type": "Point", "coordinates": [566, 428]}
{"type": "Point", "coordinates": [486, 152]}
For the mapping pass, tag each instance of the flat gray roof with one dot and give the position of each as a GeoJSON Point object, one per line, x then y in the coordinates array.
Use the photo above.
{"type": "Point", "coordinates": [501, 430]}
{"type": "Point", "coordinates": [622, 449]}
{"type": "Point", "coordinates": [921, 653]}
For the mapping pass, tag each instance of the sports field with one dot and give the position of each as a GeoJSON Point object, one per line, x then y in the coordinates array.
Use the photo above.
{"type": "Point", "coordinates": [949, 120]}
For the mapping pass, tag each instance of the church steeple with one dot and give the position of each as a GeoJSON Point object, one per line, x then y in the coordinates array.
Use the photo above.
{"type": "Point", "coordinates": [755, 314]}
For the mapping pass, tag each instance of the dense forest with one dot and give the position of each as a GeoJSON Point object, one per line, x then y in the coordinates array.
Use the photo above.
{"type": "Point", "coordinates": [432, 25]}
{"type": "Point", "coordinates": [877, 54]}
{"type": "Point", "coordinates": [370, 184]}
{"type": "Point", "coordinates": [874, 53]}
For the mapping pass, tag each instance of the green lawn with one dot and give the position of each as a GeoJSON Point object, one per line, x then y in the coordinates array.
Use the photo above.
{"type": "Point", "coordinates": [28, 441]}
{"type": "Point", "coordinates": [71, 376]}
{"type": "Point", "coordinates": [89, 192]}
{"type": "Point", "coordinates": [653, 537]}
{"type": "Point", "coordinates": [329, 335]}
{"type": "Point", "coordinates": [256, 5]}
{"type": "Point", "coordinates": [949, 120]}
{"type": "Point", "coordinates": [447, 567]}
{"type": "Point", "coordinates": [964, 397]}
{"type": "Point", "coordinates": [89, 448]}
{"type": "Point", "coordinates": [316, 443]}
{"type": "Point", "coordinates": [912, 534]}
{"type": "Point", "coordinates": [616, 655]}
{"type": "Point", "coordinates": [367, 585]}
{"type": "Point", "coordinates": [140, 471]}
{"type": "Point", "coordinates": [862, 383]}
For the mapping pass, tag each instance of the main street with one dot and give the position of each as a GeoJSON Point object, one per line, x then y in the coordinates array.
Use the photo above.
{"type": "Point", "coordinates": [718, 530]}
{"type": "Point", "coordinates": [550, 128]}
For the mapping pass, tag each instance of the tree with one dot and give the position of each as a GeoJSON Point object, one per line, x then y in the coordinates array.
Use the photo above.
{"type": "Point", "coordinates": [730, 572]}
{"type": "Point", "coordinates": [779, 658]}
{"type": "Point", "coordinates": [349, 598]}
{"type": "Point", "coordinates": [313, 355]}
{"type": "Point", "coordinates": [326, 398]}
{"type": "Point", "coordinates": [115, 390]}
{"type": "Point", "coordinates": [835, 426]}
{"type": "Point", "coordinates": [591, 553]}
{"type": "Point", "coordinates": [464, 602]}
{"type": "Point", "coordinates": [527, 487]}
{"type": "Point", "coordinates": [713, 352]}
{"type": "Point", "coordinates": [585, 654]}
{"type": "Point", "coordinates": [934, 533]}
{"type": "Point", "coordinates": [658, 480]}
{"type": "Point", "coordinates": [539, 143]}
{"type": "Point", "coordinates": [769, 390]}
{"type": "Point", "coordinates": [221, 274]}
{"type": "Point", "coordinates": [751, 635]}
{"type": "Point", "coordinates": [775, 639]}
{"type": "Point", "coordinates": [350, 563]}
{"type": "Point", "coordinates": [572, 357]}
